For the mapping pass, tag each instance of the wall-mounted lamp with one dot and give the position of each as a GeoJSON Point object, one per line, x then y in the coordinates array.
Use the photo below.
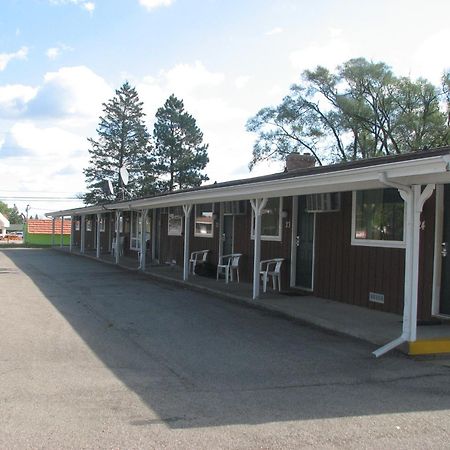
{"type": "Point", "coordinates": [284, 214]}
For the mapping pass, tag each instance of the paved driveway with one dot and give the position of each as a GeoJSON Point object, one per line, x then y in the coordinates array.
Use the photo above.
{"type": "Point", "coordinates": [94, 356]}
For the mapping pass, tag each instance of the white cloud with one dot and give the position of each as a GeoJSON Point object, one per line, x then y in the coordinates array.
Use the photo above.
{"type": "Point", "coordinates": [330, 53]}
{"type": "Point", "coordinates": [14, 97]}
{"type": "Point", "coordinates": [85, 4]}
{"type": "Point", "coordinates": [53, 52]}
{"type": "Point", "coordinates": [152, 4]}
{"type": "Point", "coordinates": [46, 141]}
{"type": "Point", "coordinates": [6, 58]}
{"type": "Point", "coordinates": [273, 31]}
{"type": "Point", "coordinates": [242, 81]}
{"type": "Point", "coordinates": [427, 61]}
{"type": "Point", "coordinates": [75, 92]}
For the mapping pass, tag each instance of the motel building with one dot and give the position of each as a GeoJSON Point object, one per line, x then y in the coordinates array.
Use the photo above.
{"type": "Point", "coordinates": [373, 233]}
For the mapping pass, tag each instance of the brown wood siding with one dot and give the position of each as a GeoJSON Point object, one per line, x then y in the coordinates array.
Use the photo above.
{"type": "Point", "coordinates": [348, 273]}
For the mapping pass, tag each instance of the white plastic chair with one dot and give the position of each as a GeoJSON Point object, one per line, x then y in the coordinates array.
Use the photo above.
{"type": "Point", "coordinates": [272, 269]}
{"type": "Point", "coordinates": [196, 258]}
{"type": "Point", "coordinates": [231, 264]}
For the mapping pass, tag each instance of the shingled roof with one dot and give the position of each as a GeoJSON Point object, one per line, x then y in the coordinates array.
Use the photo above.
{"type": "Point", "coordinates": [44, 226]}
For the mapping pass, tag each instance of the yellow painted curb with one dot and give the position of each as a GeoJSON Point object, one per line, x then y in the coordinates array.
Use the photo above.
{"type": "Point", "coordinates": [429, 346]}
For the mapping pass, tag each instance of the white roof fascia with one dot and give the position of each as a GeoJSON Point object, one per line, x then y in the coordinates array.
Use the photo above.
{"type": "Point", "coordinates": [418, 171]}
{"type": "Point", "coordinates": [77, 211]}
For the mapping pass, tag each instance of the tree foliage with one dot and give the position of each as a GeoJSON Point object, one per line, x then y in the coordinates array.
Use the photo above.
{"type": "Point", "coordinates": [180, 153]}
{"type": "Point", "coordinates": [123, 141]}
{"type": "Point", "coordinates": [361, 110]}
{"type": "Point", "coordinates": [12, 214]}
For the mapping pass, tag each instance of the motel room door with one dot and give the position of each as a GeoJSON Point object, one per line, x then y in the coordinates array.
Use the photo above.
{"type": "Point", "coordinates": [305, 247]}
{"type": "Point", "coordinates": [227, 235]}
{"type": "Point", "coordinates": [444, 307]}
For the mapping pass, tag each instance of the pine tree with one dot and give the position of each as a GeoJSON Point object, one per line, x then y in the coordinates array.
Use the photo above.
{"type": "Point", "coordinates": [180, 153]}
{"type": "Point", "coordinates": [123, 141]}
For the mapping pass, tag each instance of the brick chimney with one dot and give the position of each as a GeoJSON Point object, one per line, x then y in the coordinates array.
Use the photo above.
{"type": "Point", "coordinates": [296, 161]}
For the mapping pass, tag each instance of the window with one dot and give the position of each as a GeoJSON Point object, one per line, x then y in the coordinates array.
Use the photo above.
{"type": "Point", "coordinates": [270, 220]}
{"type": "Point", "coordinates": [88, 225]}
{"type": "Point", "coordinates": [135, 233]}
{"type": "Point", "coordinates": [175, 221]}
{"type": "Point", "coordinates": [378, 218]}
{"type": "Point", "coordinates": [77, 225]}
{"type": "Point", "coordinates": [102, 225]}
{"type": "Point", "coordinates": [204, 221]}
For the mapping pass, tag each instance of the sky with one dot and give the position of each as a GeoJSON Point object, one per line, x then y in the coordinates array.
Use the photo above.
{"type": "Point", "coordinates": [61, 59]}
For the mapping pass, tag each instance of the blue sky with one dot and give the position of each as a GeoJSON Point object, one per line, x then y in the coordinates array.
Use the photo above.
{"type": "Point", "coordinates": [60, 59]}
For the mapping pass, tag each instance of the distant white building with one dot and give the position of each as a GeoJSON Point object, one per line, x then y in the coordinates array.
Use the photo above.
{"type": "Point", "coordinates": [4, 224]}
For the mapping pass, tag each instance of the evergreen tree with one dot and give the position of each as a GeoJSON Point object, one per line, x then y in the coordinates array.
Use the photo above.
{"type": "Point", "coordinates": [180, 153]}
{"type": "Point", "coordinates": [123, 141]}
{"type": "Point", "coordinates": [14, 215]}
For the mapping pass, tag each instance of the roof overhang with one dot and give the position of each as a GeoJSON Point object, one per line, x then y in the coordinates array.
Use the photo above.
{"type": "Point", "coordinates": [433, 169]}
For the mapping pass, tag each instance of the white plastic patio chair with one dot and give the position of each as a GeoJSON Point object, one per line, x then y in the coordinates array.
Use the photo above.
{"type": "Point", "coordinates": [196, 258]}
{"type": "Point", "coordinates": [232, 263]}
{"type": "Point", "coordinates": [272, 269]}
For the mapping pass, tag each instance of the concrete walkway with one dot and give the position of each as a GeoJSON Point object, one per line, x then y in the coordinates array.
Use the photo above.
{"type": "Point", "coordinates": [369, 325]}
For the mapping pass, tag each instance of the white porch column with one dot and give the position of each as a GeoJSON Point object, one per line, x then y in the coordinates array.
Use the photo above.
{"type": "Point", "coordinates": [83, 233]}
{"type": "Point", "coordinates": [154, 232]}
{"type": "Point", "coordinates": [99, 218]}
{"type": "Point", "coordinates": [71, 234]}
{"type": "Point", "coordinates": [62, 232]}
{"type": "Point", "coordinates": [144, 214]}
{"type": "Point", "coordinates": [257, 206]}
{"type": "Point", "coordinates": [420, 197]}
{"type": "Point", "coordinates": [187, 220]}
{"type": "Point", "coordinates": [414, 200]}
{"type": "Point", "coordinates": [53, 231]}
{"type": "Point", "coordinates": [117, 248]}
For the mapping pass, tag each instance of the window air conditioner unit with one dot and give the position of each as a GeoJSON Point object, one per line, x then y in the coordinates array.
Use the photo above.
{"type": "Point", "coordinates": [329, 202]}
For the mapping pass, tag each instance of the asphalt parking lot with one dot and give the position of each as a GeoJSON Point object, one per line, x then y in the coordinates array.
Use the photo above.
{"type": "Point", "coordinates": [93, 356]}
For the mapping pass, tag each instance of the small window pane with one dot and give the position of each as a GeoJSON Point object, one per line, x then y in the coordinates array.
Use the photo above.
{"type": "Point", "coordinates": [175, 221]}
{"type": "Point", "coordinates": [204, 220]}
{"type": "Point", "coordinates": [379, 215]}
{"type": "Point", "coordinates": [270, 219]}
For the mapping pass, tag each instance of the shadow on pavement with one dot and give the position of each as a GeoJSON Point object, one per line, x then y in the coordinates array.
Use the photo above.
{"type": "Point", "coordinates": [198, 361]}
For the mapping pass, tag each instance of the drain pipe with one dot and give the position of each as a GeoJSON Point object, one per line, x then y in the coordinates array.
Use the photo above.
{"type": "Point", "coordinates": [414, 199]}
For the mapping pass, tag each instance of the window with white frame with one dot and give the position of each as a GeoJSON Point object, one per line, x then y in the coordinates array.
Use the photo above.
{"type": "Point", "coordinates": [270, 220]}
{"type": "Point", "coordinates": [135, 231]}
{"type": "Point", "coordinates": [77, 225]}
{"type": "Point", "coordinates": [175, 221]}
{"type": "Point", "coordinates": [204, 220]}
{"type": "Point", "coordinates": [88, 225]}
{"type": "Point", "coordinates": [378, 218]}
{"type": "Point", "coordinates": [102, 225]}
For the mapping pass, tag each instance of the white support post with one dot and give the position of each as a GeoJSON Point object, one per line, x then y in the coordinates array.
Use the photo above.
{"type": "Point", "coordinates": [53, 231]}
{"type": "Point", "coordinates": [221, 232]}
{"type": "Point", "coordinates": [71, 234]}
{"type": "Point", "coordinates": [99, 218]}
{"type": "Point", "coordinates": [257, 206]}
{"type": "Point", "coordinates": [187, 220]}
{"type": "Point", "coordinates": [117, 248]}
{"type": "Point", "coordinates": [154, 235]}
{"type": "Point", "coordinates": [144, 214]}
{"type": "Point", "coordinates": [61, 244]}
{"type": "Point", "coordinates": [83, 233]}
{"type": "Point", "coordinates": [414, 200]}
